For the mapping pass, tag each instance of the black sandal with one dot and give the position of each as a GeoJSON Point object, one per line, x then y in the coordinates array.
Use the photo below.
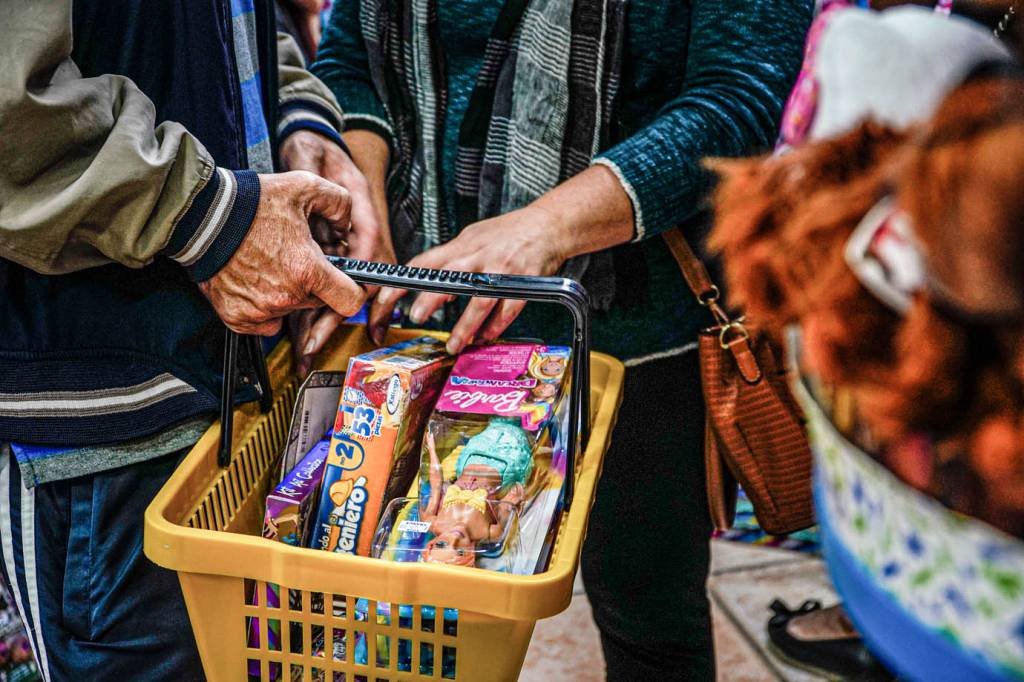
{"type": "Point", "coordinates": [840, 658]}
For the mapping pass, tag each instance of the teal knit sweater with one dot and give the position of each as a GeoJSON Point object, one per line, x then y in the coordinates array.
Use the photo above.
{"type": "Point", "coordinates": [704, 78]}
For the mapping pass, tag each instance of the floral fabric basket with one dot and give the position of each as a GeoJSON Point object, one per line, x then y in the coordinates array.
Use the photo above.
{"type": "Point", "coordinates": [936, 594]}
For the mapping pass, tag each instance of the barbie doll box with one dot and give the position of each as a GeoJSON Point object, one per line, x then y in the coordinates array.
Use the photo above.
{"type": "Point", "coordinates": [519, 380]}
{"type": "Point", "coordinates": [372, 458]}
{"type": "Point", "coordinates": [492, 465]}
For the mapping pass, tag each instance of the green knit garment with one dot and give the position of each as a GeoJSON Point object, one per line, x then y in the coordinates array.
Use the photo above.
{"type": "Point", "coordinates": [704, 78]}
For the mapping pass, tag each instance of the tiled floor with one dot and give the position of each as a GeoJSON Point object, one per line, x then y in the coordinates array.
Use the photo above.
{"type": "Point", "coordinates": [742, 595]}
{"type": "Point", "coordinates": [744, 581]}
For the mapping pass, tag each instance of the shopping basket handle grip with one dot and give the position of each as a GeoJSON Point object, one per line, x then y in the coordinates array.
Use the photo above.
{"type": "Point", "coordinates": [569, 293]}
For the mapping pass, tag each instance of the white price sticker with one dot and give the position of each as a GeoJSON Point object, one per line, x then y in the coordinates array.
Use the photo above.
{"type": "Point", "coordinates": [414, 526]}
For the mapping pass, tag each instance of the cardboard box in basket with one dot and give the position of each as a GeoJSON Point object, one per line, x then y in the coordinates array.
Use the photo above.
{"type": "Point", "coordinates": [373, 456]}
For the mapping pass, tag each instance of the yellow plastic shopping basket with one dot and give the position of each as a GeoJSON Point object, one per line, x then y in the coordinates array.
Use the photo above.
{"type": "Point", "coordinates": [374, 620]}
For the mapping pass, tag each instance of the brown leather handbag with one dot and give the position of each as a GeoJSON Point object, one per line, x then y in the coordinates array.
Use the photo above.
{"type": "Point", "coordinates": [755, 430]}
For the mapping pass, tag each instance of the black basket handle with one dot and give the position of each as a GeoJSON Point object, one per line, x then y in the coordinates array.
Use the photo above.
{"type": "Point", "coordinates": [568, 292]}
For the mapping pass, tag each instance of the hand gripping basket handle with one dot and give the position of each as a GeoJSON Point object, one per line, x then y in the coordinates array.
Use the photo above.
{"type": "Point", "coordinates": [551, 289]}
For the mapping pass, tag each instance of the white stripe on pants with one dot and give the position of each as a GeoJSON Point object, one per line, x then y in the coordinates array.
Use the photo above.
{"type": "Point", "coordinates": [27, 513]}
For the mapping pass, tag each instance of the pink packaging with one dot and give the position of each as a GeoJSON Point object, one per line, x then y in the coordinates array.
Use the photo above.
{"type": "Point", "coordinates": [493, 464]}
{"type": "Point", "coordinates": [507, 380]}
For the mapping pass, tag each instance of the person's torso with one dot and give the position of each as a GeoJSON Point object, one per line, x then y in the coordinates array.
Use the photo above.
{"type": "Point", "coordinates": [654, 67]}
{"type": "Point", "coordinates": [114, 326]}
{"type": "Point", "coordinates": [656, 47]}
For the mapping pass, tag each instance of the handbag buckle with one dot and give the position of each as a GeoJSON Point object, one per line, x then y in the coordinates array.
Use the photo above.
{"type": "Point", "coordinates": [709, 299]}
{"type": "Point", "coordinates": [737, 326]}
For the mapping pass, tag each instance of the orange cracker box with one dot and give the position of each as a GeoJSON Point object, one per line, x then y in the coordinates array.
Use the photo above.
{"type": "Point", "coordinates": [374, 453]}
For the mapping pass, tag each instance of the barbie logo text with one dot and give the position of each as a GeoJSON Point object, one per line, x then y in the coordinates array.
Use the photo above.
{"type": "Point", "coordinates": [499, 402]}
{"type": "Point", "coordinates": [492, 383]}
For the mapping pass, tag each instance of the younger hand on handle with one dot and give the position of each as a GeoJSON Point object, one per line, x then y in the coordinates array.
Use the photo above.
{"type": "Point", "coordinates": [522, 242]}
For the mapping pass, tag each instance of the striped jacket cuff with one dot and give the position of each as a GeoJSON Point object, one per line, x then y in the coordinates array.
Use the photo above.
{"type": "Point", "coordinates": [303, 114]}
{"type": "Point", "coordinates": [371, 123]}
{"type": "Point", "coordinates": [213, 227]}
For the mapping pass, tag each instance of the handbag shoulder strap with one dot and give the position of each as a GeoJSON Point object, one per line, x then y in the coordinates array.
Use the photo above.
{"type": "Point", "coordinates": [697, 278]}
{"type": "Point", "coordinates": [694, 272]}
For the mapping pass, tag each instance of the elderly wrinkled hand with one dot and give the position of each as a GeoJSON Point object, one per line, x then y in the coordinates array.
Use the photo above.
{"type": "Point", "coordinates": [279, 268]}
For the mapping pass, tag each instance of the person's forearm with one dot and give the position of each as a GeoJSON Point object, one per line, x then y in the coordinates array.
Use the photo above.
{"type": "Point", "coordinates": [304, 102]}
{"type": "Point", "coordinates": [86, 176]}
{"type": "Point", "coordinates": [371, 155]}
{"type": "Point", "coordinates": [591, 212]}
{"type": "Point", "coordinates": [742, 59]}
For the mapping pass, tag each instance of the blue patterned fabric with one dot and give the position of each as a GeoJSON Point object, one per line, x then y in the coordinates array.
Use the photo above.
{"type": "Point", "coordinates": [257, 137]}
{"type": "Point", "coordinates": [939, 595]}
{"type": "Point", "coordinates": [908, 646]}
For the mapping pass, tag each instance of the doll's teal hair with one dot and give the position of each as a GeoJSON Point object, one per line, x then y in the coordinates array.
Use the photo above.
{"type": "Point", "coordinates": [504, 446]}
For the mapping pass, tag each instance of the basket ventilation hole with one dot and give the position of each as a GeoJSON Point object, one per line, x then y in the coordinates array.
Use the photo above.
{"type": "Point", "coordinates": [427, 614]}
{"type": "Point", "coordinates": [317, 640]}
{"type": "Point", "coordinates": [383, 613]}
{"type": "Point", "coordinates": [405, 655]}
{"type": "Point", "coordinates": [274, 634]}
{"type": "Point", "coordinates": [426, 658]}
{"type": "Point", "coordinates": [338, 650]}
{"type": "Point", "coordinates": [451, 622]}
{"type": "Point", "coordinates": [448, 662]}
{"type": "Point", "coordinates": [383, 651]}
{"type": "Point", "coordinates": [273, 596]}
{"type": "Point", "coordinates": [405, 612]}
{"type": "Point", "coordinates": [339, 606]}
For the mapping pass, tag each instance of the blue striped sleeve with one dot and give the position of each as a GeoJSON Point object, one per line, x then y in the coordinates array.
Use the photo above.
{"type": "Point", "coordinates": [252, 108]}
{"type": "Point", "coordinates": [213, 227]}
{"type": "Point", "coordinates": [304, 114]}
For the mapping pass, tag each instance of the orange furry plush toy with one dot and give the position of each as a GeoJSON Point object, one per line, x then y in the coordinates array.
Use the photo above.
{"type": "Point", "coordinates": [951, 366]}
{"type": "Point", "coordinates": [962, 183]}
{"type": "Point", "coordinates": [781, 224]}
